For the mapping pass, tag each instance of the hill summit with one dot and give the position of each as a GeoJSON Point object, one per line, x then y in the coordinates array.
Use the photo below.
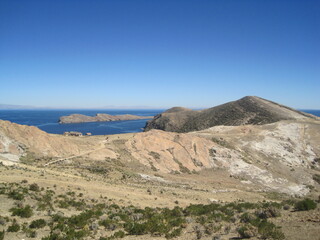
{"type": "Point", "coordinates": [248, 110]}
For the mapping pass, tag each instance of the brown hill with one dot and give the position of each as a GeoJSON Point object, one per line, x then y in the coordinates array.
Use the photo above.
{"type": "Point", "coordinates": [247, 110]}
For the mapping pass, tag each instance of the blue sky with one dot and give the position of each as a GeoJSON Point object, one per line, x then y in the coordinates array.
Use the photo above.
{"type": "Point", "coordinates": [201, 53]}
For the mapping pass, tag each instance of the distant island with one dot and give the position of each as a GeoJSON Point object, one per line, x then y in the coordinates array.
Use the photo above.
{"type": "Point", "coordinates": [100, 117]}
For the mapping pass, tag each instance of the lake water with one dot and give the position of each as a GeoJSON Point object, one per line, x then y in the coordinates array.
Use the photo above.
{"type": "Point", "coordinates": [47, 120]}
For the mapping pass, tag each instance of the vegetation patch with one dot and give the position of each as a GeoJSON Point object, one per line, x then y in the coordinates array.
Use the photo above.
{"type": "Point", "coordinates": [14, 228]}
{"type": "Point", "coordinates": [39, 223]}
{"type": "Point", "coordinates": [24, 212]}
{"type": "Point", "coordinates": [252, 219]}
{"type": "Point", "coordinates": [305, 205]}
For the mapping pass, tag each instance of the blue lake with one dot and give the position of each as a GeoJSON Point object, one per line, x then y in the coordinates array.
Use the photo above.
{"type": "Point", "coordinates": [47, 120]}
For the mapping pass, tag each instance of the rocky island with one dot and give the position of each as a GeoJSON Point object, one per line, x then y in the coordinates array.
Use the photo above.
{"type": "Point", "coordinates": [100, 117]}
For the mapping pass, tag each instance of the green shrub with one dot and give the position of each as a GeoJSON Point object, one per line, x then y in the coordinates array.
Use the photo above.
{"type": "Point", "coordinates": [247, 217]}
{"type": "Point", "coordinates": [305, 205]}
{"type": "Point", "coordinates": [66, 203]}
{"type": "Point", "coordinates": [79, 221]}
{"type": "Point", "coordinates": [31, 234]}
{"type": "Point", "coordinates": [2, 235]}
{"type": "Point", "coordinates": [16, 195]}
{"type": "Point", "coordinates": [14, 228]}
{"type": "Point", "coordinates": [119, 234]}
{"type": "Point", "coordinates": [45, 201]}
{"type": "Point", "coordinates": [175, 233]}
{"type": "Point", "coordinates": [52, 236]}
{"type": "Point", "coordinates": [108, 224]}
{"type": "Point", "coordinates": [39, 223]}
{"type": "Point", "coordinates": [34, 187]}
{"type": "Point", "coordinates": [268, 230]}
{"type": "Point", "coordinates": [25, 212]}
{"type": "Point", "coordinates": [247, 231]}
{"type": "Point", "coordinates": [134, 228]}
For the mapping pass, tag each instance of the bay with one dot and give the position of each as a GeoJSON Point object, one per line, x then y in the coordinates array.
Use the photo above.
{"type": "Point", "coordinates": [47, 120]}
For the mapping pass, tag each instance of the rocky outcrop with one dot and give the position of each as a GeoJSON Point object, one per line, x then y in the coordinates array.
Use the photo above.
{"type": "Point", "coordinates": [248, 110]}
{"type": "Point", "coordinates": [100, 117]}
{"type": "Point", "coordinates": [277, 157]}
{"type": "Point", "coordinates": [171, 152]}
{"type": "Point", "coordinates": [18, 140]}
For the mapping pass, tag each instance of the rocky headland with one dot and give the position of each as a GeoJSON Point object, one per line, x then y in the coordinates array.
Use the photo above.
{"type": "Point", "coordinates": [247, 110]}
{"type": "Point", "coordinates": [100, 117]}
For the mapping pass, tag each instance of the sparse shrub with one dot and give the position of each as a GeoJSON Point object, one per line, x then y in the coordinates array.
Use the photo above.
{"type": "Point", "coordinates": [119, 234]}
{"type": "Point", "coordinates": [52, 236]}
{"type": "Point", "coordinates": [268, 213]}
{"type": "Point", "coordinates": [34, 187]}
{"type": "Point", "coordinates": [71, 193]}
{"type": "Point", "coordinates": [16, 195]}
{"type": "Point", "coordinates": [155, 155]}
{"type": "Point", "coordinates": [221, 142]}
{"type": "Point", "coordinates": [316, 177]}
{"type": "Point", "coordinates": [286, 207]}
{"type": "Point", "coordinates": [212, 152]}
{"type": "Point", "coordinates": [98, 170]}
{"type": "Point", "coordinates": [290, 202]}
{"type": "Point", "coordinates": [247, 217]}
{"type": "Point", "coordinates": [247, 231]}
{"type": "Point", "coordinates": [25, 212]}
{"type": "Point", "coordinates": [134, 228]}
{"type": "Point", "coordinates": [2, 220]}
{"type": "Point", "coordinates": [108, 224]}
{"type": "Point", "coordinates": [27, 158]}
{"type": "Point", "coordinates": [15, 227]}
{"type": "Point", "coordinates": [32, 234]}
{"type": "Point", "coordinates": [175, 233]}
{"type": "Point", "coordinates": [2, 235]}
{"type": "Point", "coordinates": [270, 231]}
{"type": "Point", "coordinates": [39, 223]}
{"type": "Point", "coordinates": [305, 205]}
{"type": "Point", "coordinates": [45, 201]}
{"type": "Point", "coordinates": [81, 220]}
{"type": "Point", "coordinates": [66, 203]}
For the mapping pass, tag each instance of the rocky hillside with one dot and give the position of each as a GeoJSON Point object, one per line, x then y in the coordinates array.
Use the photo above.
{"type": "Point", "coordinates": [281, 157]}
{"type": "Point", "coordinates": [17, 141]}
{"type": "Point", "coordinates": [219, 174]}
{"type": "Point", "coordinates": [247, 110]}
{"type": "Point", "coordinates": [100, 117]}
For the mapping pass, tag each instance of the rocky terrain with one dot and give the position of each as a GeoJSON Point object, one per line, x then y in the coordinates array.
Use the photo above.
{"type": "Point", "coordinates": [247, 110]}
{"type": "Point", "coordinates": [222, 182]}
{"type": "Point", "coordinates": [100, 117]}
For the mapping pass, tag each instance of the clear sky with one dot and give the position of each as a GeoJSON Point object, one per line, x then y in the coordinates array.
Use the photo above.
{"type": "Point", "coordinates": [192, 53]}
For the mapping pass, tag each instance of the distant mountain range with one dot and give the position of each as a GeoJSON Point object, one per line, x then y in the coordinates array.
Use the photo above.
{"type": "Point", "coordinates": [27, 107]}
{"type": "Point", "coordinates": [9, 106]}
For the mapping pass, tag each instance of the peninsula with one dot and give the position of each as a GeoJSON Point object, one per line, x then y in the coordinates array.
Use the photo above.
{"type": "Point", "coordinates": [245, 111]}
{"type": "Point", "coordinates": [100, 117]}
